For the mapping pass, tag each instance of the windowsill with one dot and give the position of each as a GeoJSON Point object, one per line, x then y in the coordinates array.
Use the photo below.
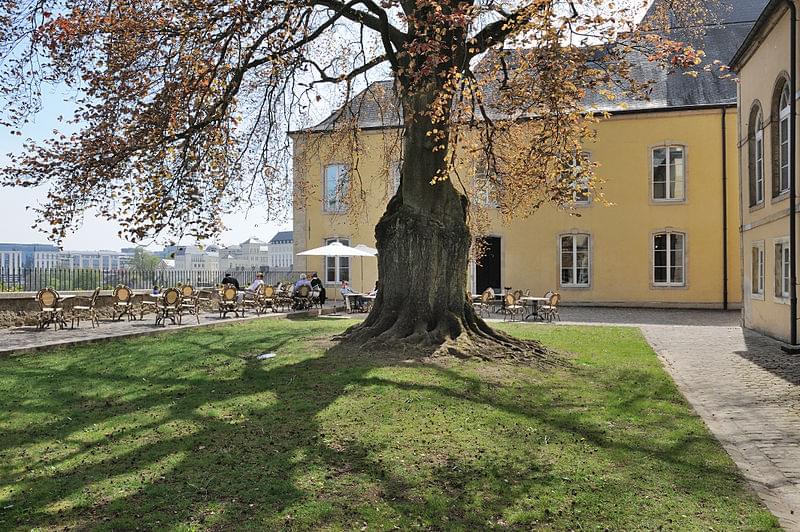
{"type": "Point", "coordinates": [655, 201]}
{"type": "Point", "coordinates": [575, 286]}
{"type": "Point", "coordinates": [758, 206]}
{"type": "Point", "coordinates": [582, 204]}
{"type": "Point", "coordinates": [780, 197]}
{"type": "Point", "coordinates": [757, 297]}
{"type": "Point", "coordinates": [657, 286]}
{"type": "Point", "coordinates": [781, 300]}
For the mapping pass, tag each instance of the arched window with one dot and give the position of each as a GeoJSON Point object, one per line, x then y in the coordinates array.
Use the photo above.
{"type": "Point", "coordinates": [780, 138]}
{"type": "Point", "coordinates": [756, 155]}
{"type": "Point", "coordinates": [784, 139]}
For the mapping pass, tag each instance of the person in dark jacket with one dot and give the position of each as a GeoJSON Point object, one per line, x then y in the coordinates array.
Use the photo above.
{"type": "Point", "coordinates": [316, 284]}
{"type": "Point", "coordinates": [228, 279]}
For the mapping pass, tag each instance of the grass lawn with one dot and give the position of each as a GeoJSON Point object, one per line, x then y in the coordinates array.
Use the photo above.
{"type": "Point", "coordinates": [191, 431]}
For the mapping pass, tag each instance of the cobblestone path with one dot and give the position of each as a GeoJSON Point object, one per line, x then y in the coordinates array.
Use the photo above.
{"type": "Point", "coordinates": [748, 393]}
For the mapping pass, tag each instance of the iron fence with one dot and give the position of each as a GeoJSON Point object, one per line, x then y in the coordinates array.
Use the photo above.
{"type": "Point", "coordinates": [34, 279]}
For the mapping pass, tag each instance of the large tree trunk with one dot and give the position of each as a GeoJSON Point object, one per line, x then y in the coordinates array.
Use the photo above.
{"type": "Point", "coordinates": [423, 251]}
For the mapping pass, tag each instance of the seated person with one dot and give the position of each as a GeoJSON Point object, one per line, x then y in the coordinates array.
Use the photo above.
{"type": "Point", "coordinates": [228, 279]}
{"type": "Point", "coordinates": [258, 283]}
{"type": "Point", "coordinates": [301, 282]}
{"type": "Point", "coordinates": [253, 288]}
{"type": "Point", "coordinates": [356, 301]}
{"type": "Point", "coordinates": [374, 291]}
{"type": "Point", "coordinates": [316, 284]}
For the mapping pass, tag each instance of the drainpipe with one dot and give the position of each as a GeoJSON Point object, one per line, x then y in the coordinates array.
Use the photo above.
{"type": "Point", "coordinates": [724, 211]}
{"type": "Point", "coordinates": [793, 178]}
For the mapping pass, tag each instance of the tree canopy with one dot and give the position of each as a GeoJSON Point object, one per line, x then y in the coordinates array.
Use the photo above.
{"type": "Point", "coordinates": [182, 107]}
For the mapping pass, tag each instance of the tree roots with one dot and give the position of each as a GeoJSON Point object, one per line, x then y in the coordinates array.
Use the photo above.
{"type": "Point", "coordinates": [466, 336]}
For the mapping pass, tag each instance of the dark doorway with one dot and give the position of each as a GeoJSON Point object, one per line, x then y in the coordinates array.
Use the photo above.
{"type": "Point", "coordinates": [487, 271]}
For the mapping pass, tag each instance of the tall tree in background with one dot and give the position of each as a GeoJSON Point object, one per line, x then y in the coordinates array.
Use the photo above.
{"type": "Point", "coordinates": [143, 260]}
{"type": "Point", "coordinates": [182, 109]}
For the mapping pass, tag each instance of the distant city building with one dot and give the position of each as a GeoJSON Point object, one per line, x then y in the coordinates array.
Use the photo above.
{"type": "Point", "coordinates": [14, 257]}
{"type": "Point", "coordinates": [252, 254]}
{"type": "Point", "coordinates": [195, 258]}
{"type": "Point", "coordinates": [281, 251]}
{"type": "Point", "coordinates": [95, 260]}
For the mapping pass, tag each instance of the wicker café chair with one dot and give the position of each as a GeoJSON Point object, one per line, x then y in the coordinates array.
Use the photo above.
{"type": "Point", "coordinates": [84, 307]}
{"type": "Point", "coordinates": [122, 303]}
{"type": "Point", "coordinates": [302, 298]}
{"type": "Point", "coordinates": [266, 298]}
{"type": "Point", "coordinates": [50, 309]}
{"type": "Point", "coordinates": [483, 306]}
{"type": "Point", "coordinates": [148, 303]}
{"type": "Point", "coordinates": [512, 308]}
{"type": "Point", "coordinates": [190, 302]}
{"type": "Point", "coordinates": [169, 307]}
{"type": "Point", "coordinates": [283, 298]}
{"type": "Point", "coordinates": [250, 301]}
{"type": "Point", "coordinates": [550, 311]}
{"type": "Point", "coordinates": [206, 298]}
{"type": "Point", "coordinates": [228, 301]}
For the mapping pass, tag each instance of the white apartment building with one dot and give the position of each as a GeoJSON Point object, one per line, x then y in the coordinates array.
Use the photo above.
{"type": "Point", "coordinates": [281, 251]}
{"type": "Point", "coordinates": [48, 259]}
{"type": "Point", "coordinates": [11, 262]}
{"type": "Point", "coordinates": [93, 260]}
{"type": "Point", "coordinates": [252, 254]}
{"type": "Point", "coordinates": [194, 258]}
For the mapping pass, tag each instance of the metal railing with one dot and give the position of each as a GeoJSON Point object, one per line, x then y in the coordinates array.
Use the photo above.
{"type": "Point", "coordinates": [63, 279]}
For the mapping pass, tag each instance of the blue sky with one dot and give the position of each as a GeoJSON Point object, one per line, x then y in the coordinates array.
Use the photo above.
{"type": "Point", "coordinates": [95, 233]}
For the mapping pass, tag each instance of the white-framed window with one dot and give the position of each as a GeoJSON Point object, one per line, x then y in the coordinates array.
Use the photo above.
{"type": "Point", "coordinates": [783, 278]}
{"type": "Point", "coordinates": [757, 270]}
{"type": "Point", "coordinates": [336, 182]}
{"type": "Point", "coordinates": [669, 173]}
{"type": "Point", "coordinates": [577, 178]}
{"type": "Point", "coordinates": [669, 259]}
{"type": "Point", "coordinates": [575, 260]}
{"type": "Point", "coordinates": [783, 140]}
{"type": "Point", "coordinates": [337, 269]}
{"type": "Point", "coordinates": [758, 170]}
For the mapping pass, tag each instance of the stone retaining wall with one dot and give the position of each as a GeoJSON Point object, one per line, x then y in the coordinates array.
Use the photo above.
{"type": "Point", "coordinates": [20, 308]}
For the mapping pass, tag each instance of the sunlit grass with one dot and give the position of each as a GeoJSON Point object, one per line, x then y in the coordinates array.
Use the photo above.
{"type": "Point", "coordinates": [192, 431]}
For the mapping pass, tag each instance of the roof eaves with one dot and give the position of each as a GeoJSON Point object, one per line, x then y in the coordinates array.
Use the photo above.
{"type": "Point", "coordinates": [753, 36]}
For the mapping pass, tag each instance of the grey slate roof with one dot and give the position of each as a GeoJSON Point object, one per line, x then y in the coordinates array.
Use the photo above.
{"type": "Point", "coordinates": [282, 236]}
{"type": "Point", "coordinates": [761, 24]}
{"type": "Point", "coordinates": [377, 106]}
{"type": "Point", "coordinates": [725, 11]}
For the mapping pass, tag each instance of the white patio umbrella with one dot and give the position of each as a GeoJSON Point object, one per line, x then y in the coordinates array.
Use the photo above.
{"type": "Point", "coordinates": [335, 249]}
{"type": "Point", "coordinates": [371, 251]}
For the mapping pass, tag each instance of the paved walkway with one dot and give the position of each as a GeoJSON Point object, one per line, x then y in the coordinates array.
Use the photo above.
{"type": "Point", "coordinates": [748, 393]}
{"type": "Point", "coordinates": [21, 339]}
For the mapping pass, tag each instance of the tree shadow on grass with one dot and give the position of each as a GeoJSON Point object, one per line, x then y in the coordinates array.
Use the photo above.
{"type": "Point", "coordinates": [242, 444]}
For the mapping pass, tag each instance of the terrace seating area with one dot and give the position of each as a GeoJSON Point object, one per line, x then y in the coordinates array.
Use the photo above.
{"type": "Point", "coordinates": [170, 305]}
{"type": "Point", "coordinates": [517, 305]}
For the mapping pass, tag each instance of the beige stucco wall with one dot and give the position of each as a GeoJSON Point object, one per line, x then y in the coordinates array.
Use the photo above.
{"type": "Point", "coordinates": [621, 233]}
{"type": "Point", "coordinates": [768, 221]}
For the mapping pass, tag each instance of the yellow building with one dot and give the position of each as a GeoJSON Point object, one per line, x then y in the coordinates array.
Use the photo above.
{"type": "Point", "coordinates": [669, 167]}
{"type": "Point", "coordinates": [765, 94]}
